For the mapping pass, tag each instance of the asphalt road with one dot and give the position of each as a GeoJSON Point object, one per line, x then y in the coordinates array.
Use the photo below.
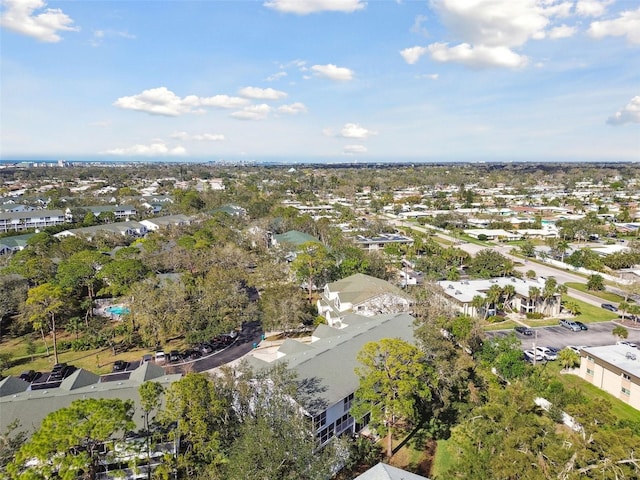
{"type": "Point", "coordinates": [599, 334]}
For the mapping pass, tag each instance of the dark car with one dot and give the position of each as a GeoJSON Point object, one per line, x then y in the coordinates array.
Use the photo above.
{"type": "Point", "coordinates": [29, 376]}
{"type": "Point", "coordinates": [120, 366]}
{"type": "Point", "coordinates": [205, 348]}
{"type": "Point", "coordinates": [175, 356]}
{"type": "Point", "coordinates": [192, 354]}
{"type": "Point", "coordinates": [582, 325]}
{"type": "Point", "coordinates": [524, 330]}
{"type": "Point", "coordinates": [608, 306]}
{"type": "Point", "coordinates": [61, 371]}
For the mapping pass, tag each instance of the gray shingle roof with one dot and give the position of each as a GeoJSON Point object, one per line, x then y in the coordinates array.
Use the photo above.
{"type": "Point", "coordinates": [360, 287]}
{"type": "Point", "coordinates": [382, 471]}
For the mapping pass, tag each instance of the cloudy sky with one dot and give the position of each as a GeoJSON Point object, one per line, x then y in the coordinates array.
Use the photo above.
{"type": "Point", "coordinates": [333, 80]}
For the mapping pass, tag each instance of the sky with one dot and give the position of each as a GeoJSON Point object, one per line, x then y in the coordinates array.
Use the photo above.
{"type": "Point", "coordinates": [320, 80]}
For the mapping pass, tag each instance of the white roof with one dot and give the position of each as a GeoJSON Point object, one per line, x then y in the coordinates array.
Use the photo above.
{"type": "Point", "coordinates": [464, 291]}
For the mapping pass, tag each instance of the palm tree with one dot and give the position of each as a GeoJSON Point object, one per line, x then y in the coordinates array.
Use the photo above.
{"type": "Point", "coordinates": [492, 298]}
{"type": "Point", "coordinates": [568, 358]}
{"type": "Point", "coordinates": [562, 246]}
{"type": "Point", "coordinates": [534, 294]}
{"type": "Point", "coordinates": [477, 303]}
{"type": "Point", "coordinates": [620, 332]}
{"type": "Point", "coordinates": [624, 308]}
{"type": "Point", "coordinates": [508, 293]}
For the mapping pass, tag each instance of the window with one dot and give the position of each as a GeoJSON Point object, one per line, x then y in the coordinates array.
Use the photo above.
{"type": "Point", "coordinates": [342, 423]}
{"type": "Point", "coordinates": [320, 421]}
{"type": "Point", "coordinates": [589, 371]}
{"type": "Point", "coordinates": [346, 403]}
{"type": "Point", "coordinates": [626, 391]}
{"type": "Point", "coordinates": [626, 377]}
{"type": "Point", "coordinates": [326, 434]}
{"type": "Point", "coordinates": [589, 358]}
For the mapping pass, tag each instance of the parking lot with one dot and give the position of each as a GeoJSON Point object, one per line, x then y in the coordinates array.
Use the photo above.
{"type": "Point", "coordinates": [598, 334]}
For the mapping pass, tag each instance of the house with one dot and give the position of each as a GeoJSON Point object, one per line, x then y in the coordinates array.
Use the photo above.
{"type": "Point", "coordinates": [382, 471]}
{"type": "Point", "coordinates": [153, 224]}
{"type": "Point", "coordinates": [14, 243]}
{"type": "Point", "coordinates": [293, 238]}
{"type": "Point", "coordinates": [325, 368]}
{"type": "Point", "coordinates": [380, 241]}
{"type": "Point", "coordinates": [31, 403]}
{"type": "Point", "coordinates": [119, 211]}
{"type": "Point", "coordinates": [17, 221]}
{"type": "Point", "coordinates": [460, 295]}
{"type": "Point", "coordinates": [614, 369]}
{"type": "Point", "coordinates": [133, 229]}
{"type": "Point", "coordinates": [493, 234]}
{"type": "Point", "coordinates": [361, 294]}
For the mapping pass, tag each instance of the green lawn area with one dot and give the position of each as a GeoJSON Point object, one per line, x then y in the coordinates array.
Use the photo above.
{"type": "Point", "coordinates": [620, 409]}
{"type": "Point", "coordinates": [608, 296]}
{"type": "Point", "coordinates": [591, 313]}
{"type": "Point", "coordinates": [506, 325]}
{"type": "Point", "coordinates": [443, 458]}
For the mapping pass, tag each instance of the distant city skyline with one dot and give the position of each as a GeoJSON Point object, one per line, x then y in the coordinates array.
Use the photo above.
{"type": "Point", "coordinates": [320, 80]}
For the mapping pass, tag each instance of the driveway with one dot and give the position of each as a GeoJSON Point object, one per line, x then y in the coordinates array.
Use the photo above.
{"type": "Point", "coordinates": [251, 333]}
{"type": "Point", "coordinates": [599, 334]}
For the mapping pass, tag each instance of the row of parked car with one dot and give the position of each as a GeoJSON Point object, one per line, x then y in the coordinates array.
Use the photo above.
{"type": "Point", "coordinates": [204, 348]}
{"type": "Point", "coordinates": [59, 372]}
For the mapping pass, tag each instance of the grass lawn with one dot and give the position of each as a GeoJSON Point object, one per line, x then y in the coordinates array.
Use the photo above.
{"type": "Point", "coordinates": [620, 409]}
{"type": "Point", "coordinates": [409, 457]}
{"type": "Point", "coordinates": [608, 296]}
{"type": "Point", "coordinates": [507, 324]}
{"type": "Point", "coordinates": [443, 458]}
{"type": "Point", "coordinates": [591, 313]}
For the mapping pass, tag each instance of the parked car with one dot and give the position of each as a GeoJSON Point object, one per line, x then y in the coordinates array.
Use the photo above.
{"type": "Point", "coordinates": [524, 330]}
{"type": "Point", "coordinates": [147, 357]}
{"type": "Point", "coordinates": [628, 343]}
{"type": "Point", "coordinates": [570, 324]}
{"type": "Point", "coordinates": [205, 348]}
{"type": "Point", "coordinates": [529, 356]}
{"type": "Point", "coordinates": [174, 356]}
{"type": "Point", "coordinates": [160, 357]}
{"type": "Point", "coordinates": [574, 348]}
{"type": "Point", "coordinates": [120, 366]}
{"type": "Point", "coordinates": [61, 371]}
{"type": "Point", "coordinates": [29, 376]}
{"type": "Point", "coordinates": [546, 353]}
{"type": "Point", "coordinates": [192, 354]}
{"type": "Point", "coordinates": [608, 306]}
{"type": "Point", "coordinates": [554, 349]}
{"type": "Point", "coordinates": [581, 325]}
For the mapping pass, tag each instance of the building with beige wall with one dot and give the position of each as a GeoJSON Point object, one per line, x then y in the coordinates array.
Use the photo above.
{"type": "Point", "coordinates": [615, 369]}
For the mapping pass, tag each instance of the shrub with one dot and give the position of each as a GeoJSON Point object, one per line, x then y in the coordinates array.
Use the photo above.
{"type": "Point", "coordinates": [535, 315]}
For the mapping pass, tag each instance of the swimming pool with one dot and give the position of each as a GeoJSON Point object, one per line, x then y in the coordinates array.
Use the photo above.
{"type": "Point", "coordinates": [117, 309]}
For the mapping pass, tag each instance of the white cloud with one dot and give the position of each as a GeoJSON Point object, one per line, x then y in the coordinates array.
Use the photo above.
{"type": "Point", "coordinates": [412, 54]}
{"type": "Point", "coordinates": [157, 149]}
{"type": "Point", "coordinates": [629, 114]}
{"type": "Point", "coordinates": [253, 112]}
{"type": "Point", "coordinates": [261, 93]}
{"type": "Point", "coordinates": [354, 149]}
{"type": "Point", "coordinates": [100, 35]}
{"type": "Point", "coordinates": [20, 17]}
{"type": "Point", "coordinates": [491, 30]}
{"type": "Point", "coordinates": [626, 25]}
{"type": "Point", "coordinates": [162, 101]}
{"type": "Point", "coordinates": [100, 123]}
{"type": "Point", "coordinates": [430, 76]}
{"type": "Point", "coordinates": [276, 76]}
{"type": "Point", "coordinates": [479, 56]}
{"type": "Point", "coordinates": [417, 25]}
{"type": "Point", "coordinates": [333, 72]}
{"type": "Point", "coordinates": [293, 108]}
{"type": "Point", "coordinates": [305, 7]}
{"type": "Point", "coordinates": [563, 31]}
{"type": "Point", "coordinates": [206, 137]}
{"type": "Point", "coordinates": [353, 130]}
{"type": "Point", "coordinates": [592, 8]}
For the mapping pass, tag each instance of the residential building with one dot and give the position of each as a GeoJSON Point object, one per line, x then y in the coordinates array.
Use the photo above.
{"type": "Point", "coordinates": [18, 221]}
{"type": "Point", "coordinates": [325, 368]}
{"type": "Point", "coordinates": [380, 241]}
{"type": "Point", "coordinates": [614, 369]}
{"type": "Point", "coordinates": [293, 238]}
{"type": "Point", "coordinates": [382, 471]}
{"type": "Point", "coordinates": [460, 295]}
{"type": "Point", "coordinates": [153, 224]}
{"type": "Point", "coordinates": [361, 294]}
{"type": "Point", "coordinates": [131, 228]}
{"type": "Point", "coordinates": [14, 243]}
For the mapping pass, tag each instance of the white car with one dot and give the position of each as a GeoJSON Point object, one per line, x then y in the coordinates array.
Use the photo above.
{"type": "Point", "coordinates": [529, 356]}
{"type": "Point", "coordinates": [574, 348]}
{"type": "Point", "coordinates": [627, 342]}
{"type": "Point", "coordinates": [546, 353]}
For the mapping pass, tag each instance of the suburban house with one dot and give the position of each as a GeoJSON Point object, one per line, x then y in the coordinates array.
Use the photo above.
{"type": "Point", "coordinates": [361, 294]}
{"type": "Point", "coordinates": [119, 211]}
{"type": "Point", "coordinates": [325, 368]}
{"type": "Point", "coordinates": [379, 242]}
{"type": "Point", "coordinates": [14, 243]}
{"type": "Point", "coordinates": [460, 295]}
{"type": "Point", "coordinates": [292, 238]}
{"type": "Point", "coordinates": [157, 223]}
{"type": "Point", "coordinates": [382, 471]}
{"type": "Point", "coordinates": [31, 403]}
{"type": "Point", "coordinates": [17, 221]}
{"type": "Point", "coordinates": [131, 228]}
{"type": "Point", "coordinates": [614, 369]}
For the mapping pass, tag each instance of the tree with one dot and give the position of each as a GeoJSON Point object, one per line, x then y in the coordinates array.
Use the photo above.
{"type": "Point", "coordinates": [527, 248]}
{"type": "Point", "coordinates": [43, 306]}
{"type": "Point", "coordinates": [505, 354]}
{"type": "Point", "coordinates": [312, 265]}
{"type": "Point", "coordinates": [150, 399]}
{"type": "Point", "coordinates": [119, 275]}
{"type": "Point", "coordinates": [489, 263]}
{"type": "Point", "coordinates": [568, 358]}
{"type": "Point", "coordinates": [69, 442]}
{"type": "Point", "coordinates": [595, 282]}
{"type": "Point", "coordinates": [13, 292]}
{"type": "Point", "coordinates": [10, 442]}
{"type": "Point", "coordinates": [620, 332]}
{"type": "Point", "coordinates": [393, 383]}
{"type": "Point", "coordinates": [283, 307]}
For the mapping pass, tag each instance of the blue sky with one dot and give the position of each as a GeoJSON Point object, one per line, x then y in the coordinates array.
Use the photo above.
{"type": "Point", "coordinates": [333, 80]}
